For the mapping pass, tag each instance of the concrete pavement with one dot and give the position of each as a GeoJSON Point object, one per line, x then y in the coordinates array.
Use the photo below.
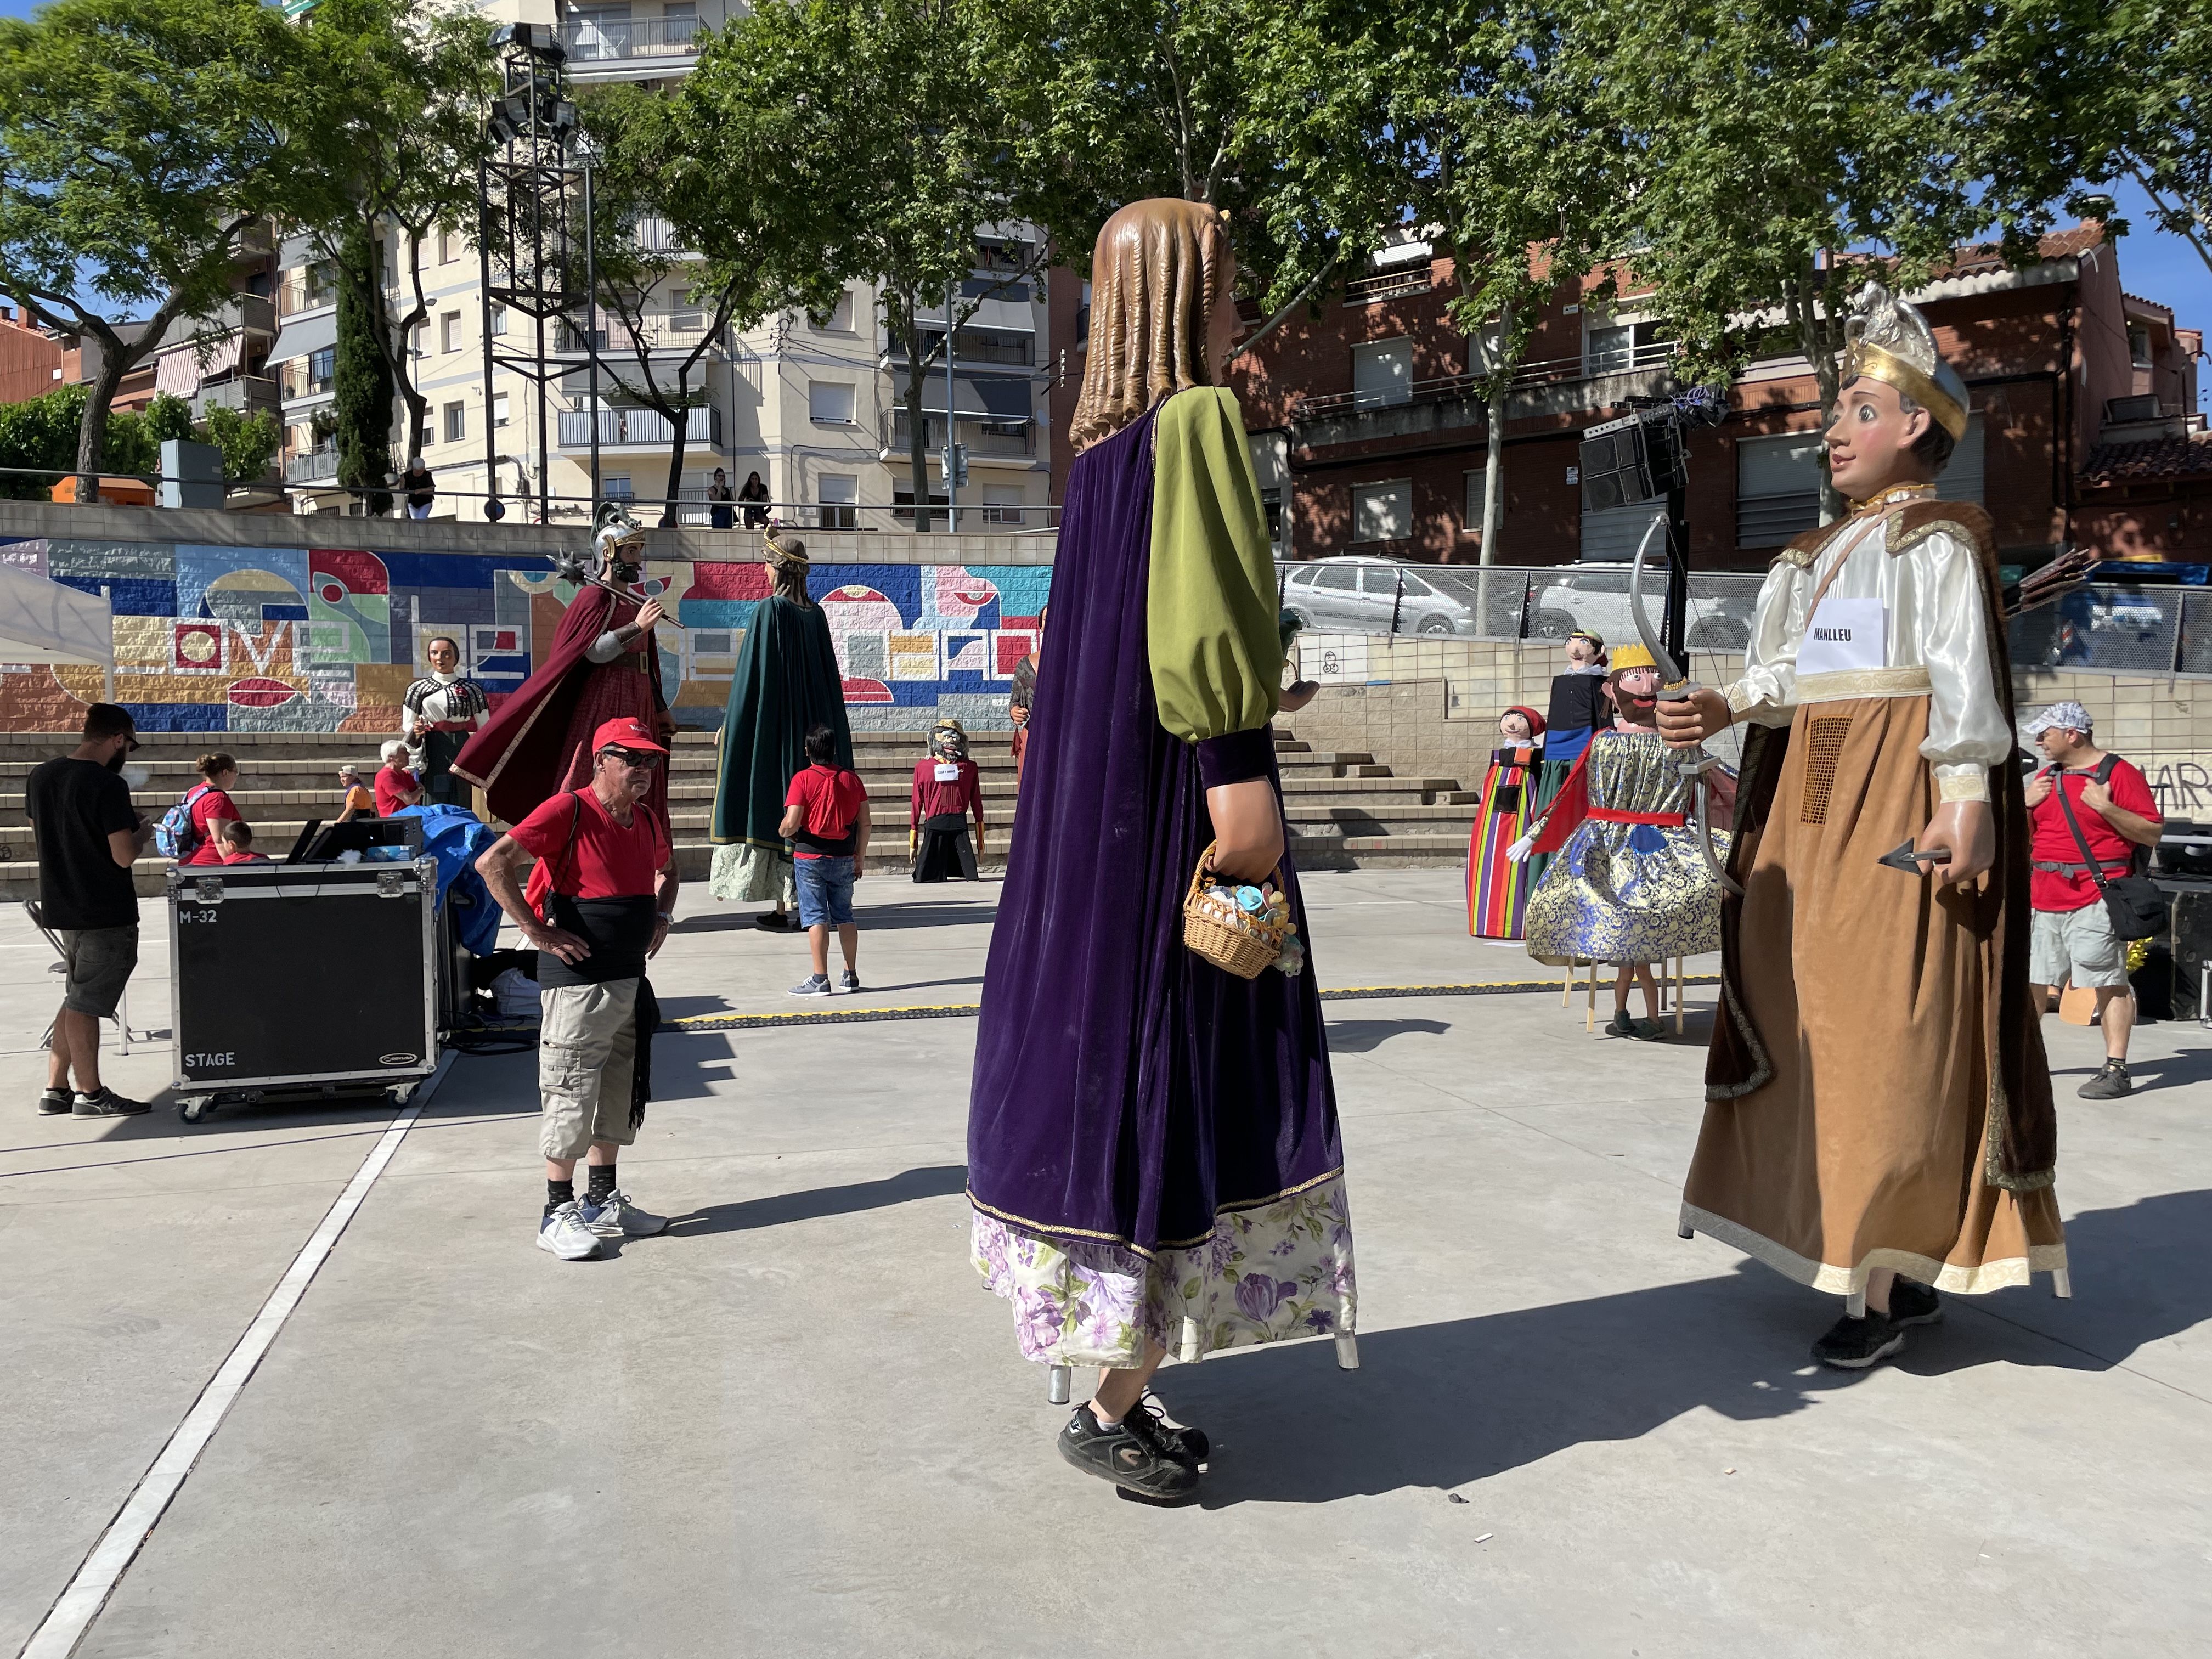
{"type": "Point", "coordinates": [797, 1424]}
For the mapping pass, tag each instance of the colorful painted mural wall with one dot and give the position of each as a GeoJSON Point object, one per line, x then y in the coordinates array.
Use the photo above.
{"type": "Point", "coordinates": [259, 638]}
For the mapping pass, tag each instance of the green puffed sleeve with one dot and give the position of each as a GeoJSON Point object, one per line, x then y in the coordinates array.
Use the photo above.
{"type": "Point", "coordinates": [1210, 612]}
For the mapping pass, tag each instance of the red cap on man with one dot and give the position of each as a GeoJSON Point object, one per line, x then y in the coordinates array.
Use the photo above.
{"type": "Point", "coordinates": [627, 733]}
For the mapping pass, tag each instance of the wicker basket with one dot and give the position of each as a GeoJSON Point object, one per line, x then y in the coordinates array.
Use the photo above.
{"type": "Point", "coordinates": [1246, 947]}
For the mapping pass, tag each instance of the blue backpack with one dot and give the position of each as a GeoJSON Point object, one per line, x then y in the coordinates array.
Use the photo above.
{"type": "Point", "coordinates": [176, 836]}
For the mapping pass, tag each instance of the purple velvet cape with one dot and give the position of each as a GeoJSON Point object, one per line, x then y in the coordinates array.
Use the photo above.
{"type": "Point", "coordinates": [1124, 1088]}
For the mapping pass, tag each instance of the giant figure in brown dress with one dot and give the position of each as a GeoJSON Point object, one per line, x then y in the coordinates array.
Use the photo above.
{"type": "Point", "coordinates": [1879, 1119]}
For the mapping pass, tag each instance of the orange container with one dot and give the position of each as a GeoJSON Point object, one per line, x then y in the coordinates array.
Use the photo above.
{"type": "Point", "coordinates": [116, 492]}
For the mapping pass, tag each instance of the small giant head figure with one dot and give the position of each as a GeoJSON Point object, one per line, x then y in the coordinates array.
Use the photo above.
{"type": "Point", "coordinates": [1585, 650]}
{"type": "Point", "coordinates": [1633, 685]}
{"type": "Point", "coordinates": [948, 741]}
{"type": "Point", "coordinates": [1520, 726]}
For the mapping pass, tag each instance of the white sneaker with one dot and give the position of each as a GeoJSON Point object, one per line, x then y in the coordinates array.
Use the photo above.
{"type": "Point", "coordinates": [564, 1234]}
{"type": "Point", "coordinates": [618, 1218]}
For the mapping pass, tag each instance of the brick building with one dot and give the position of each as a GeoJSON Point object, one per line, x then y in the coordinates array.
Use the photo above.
{"type": "Point", "coordinates": [30, 358]}
{"type": "Point", "coordinates": [1370, 434]}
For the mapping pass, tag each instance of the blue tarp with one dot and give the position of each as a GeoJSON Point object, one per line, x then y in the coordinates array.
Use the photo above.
{"type": "Point", "coordinates": [455, 837]}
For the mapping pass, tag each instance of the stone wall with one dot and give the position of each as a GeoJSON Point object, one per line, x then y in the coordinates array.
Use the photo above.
{"type": "Point", "coordinates": [239, 623]}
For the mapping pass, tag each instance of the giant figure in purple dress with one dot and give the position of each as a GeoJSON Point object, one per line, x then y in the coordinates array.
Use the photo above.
{"type": "Point", "coordinates": [1154, 1160]}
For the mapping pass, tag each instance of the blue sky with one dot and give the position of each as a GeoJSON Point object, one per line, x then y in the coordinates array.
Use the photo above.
{"type": "Point", "coordinates": [2152, 264]}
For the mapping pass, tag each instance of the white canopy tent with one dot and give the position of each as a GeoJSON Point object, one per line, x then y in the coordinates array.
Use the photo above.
{"type": "Point", "coordinates": [43, 620]}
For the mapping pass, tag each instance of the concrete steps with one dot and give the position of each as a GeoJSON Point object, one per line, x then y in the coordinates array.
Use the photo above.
{"type": "Point", "coordinates": [1344, 810]}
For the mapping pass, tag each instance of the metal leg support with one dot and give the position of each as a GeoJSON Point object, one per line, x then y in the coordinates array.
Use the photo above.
{"type": "Point", "coordinates": [1855, 1304]}
{"type": "Point", "coordinates": [1589, 1002]}
{"type": "Point", "coordinates": [1347, 1352]}
{"type": "Point", "coordinates": [1059, 1386]}
{"type": "Point", "coordinates": [1678, 996]}
{"type": "Point", "coordinates": [2062, 1282]}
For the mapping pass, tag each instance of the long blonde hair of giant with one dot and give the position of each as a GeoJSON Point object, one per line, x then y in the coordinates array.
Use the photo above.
{"type": "Point", "coordinates": [1160, 267]}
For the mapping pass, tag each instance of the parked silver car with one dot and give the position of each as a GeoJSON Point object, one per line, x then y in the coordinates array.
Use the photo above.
{"type": "Point", "coordinates": [1353, 595]}
{"type": "Point", "coordinates": [1593, 597]}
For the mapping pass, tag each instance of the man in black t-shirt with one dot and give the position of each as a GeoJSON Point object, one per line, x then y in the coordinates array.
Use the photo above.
{"type": "Point", "coordinates": [88, 836]}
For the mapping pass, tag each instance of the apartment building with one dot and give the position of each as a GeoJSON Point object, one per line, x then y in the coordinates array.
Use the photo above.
{"type": "Point", "coordinates": [1370, 431]}
{"type": "Point", "coordinates": [812, 408]}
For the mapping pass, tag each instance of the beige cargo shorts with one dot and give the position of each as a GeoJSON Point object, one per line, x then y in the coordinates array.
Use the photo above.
{"type": "Point", "coordinates": [586, 1047]}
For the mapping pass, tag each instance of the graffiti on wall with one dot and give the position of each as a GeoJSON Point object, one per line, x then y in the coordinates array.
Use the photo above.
{"type": "Point", "coordinates": [256, 638]}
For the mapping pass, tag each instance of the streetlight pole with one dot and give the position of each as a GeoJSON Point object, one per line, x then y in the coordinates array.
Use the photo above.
{"type": "Point", "coordinates": [589, 153]}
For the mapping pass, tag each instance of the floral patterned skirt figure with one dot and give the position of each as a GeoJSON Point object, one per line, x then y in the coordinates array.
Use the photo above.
{"type": "Point", "coordinates": [1154, 1161]}
{"type": "Point", "coordinates": [1497, 888]}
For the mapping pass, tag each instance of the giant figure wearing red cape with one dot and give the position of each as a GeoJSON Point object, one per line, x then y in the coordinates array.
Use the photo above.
{"type": "Point", "coordinates": [604, 666]}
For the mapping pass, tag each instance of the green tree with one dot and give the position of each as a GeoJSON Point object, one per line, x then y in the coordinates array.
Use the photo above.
{"type": "Point", "coordinates": [1794, 145]}
{"type": "Point", "coordinates": [682, 258]}
{"type": "Point", "coordinates": [1511, 170]}
{"type": "Point", "coordinates": [1276, 112]}
{"type": "Point", "coordinates": [41, 433]}
{"type": "Point", "coordinates": [249, 443]}
{"type": "Point", "coordinates": [138, 140]}
{"type": "Point", "coordinates": [399, 131]}
{"type": "Point", "coordinates": [362, 378]}
{"type": "Point", "coordinates": [869, 141]}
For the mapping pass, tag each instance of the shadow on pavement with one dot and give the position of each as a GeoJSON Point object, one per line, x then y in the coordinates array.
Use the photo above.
{"type": "Point", "coordinates": [1438, 1406]}
{"type": "Point", "coordinates": [2173, 1071]}
{"type": "Point", "coordinates": [1364, 1037]}
{"type": "Point", "coordinates": [747, 1215]}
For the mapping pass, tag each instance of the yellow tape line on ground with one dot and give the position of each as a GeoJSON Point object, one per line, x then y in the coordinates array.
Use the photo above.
{"type": "Point", "coordinates": [695, 1023]}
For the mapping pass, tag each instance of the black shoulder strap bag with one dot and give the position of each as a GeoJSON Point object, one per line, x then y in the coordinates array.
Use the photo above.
{"type": "Point", "coordinates": [2135, 903]}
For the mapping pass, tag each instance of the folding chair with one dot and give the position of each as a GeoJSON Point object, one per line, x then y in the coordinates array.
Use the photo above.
{"type": "Point", "coordinates": [122, 1014]}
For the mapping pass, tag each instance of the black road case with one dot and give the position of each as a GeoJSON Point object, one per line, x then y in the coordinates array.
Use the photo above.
{"type": "Point", "coordinates": [291, 980]}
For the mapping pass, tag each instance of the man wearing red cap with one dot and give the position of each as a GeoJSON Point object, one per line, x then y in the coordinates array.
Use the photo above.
{"type": "Point", "coordinates": [597, 905]}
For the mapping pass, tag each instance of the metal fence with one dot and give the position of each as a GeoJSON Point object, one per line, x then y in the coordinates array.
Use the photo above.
{"type": "Point", "coordinates": [2117, 629]}
{"type": "Point", "coordinates": [1504, 602]}
{"type": "Point", "coordinates": [2120, 629]}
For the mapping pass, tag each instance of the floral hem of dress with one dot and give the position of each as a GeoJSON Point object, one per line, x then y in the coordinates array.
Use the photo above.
{"type": "Point", "coordinates": [751, 875]}
{"type": "Point", "coordinates": [1267, 1274]}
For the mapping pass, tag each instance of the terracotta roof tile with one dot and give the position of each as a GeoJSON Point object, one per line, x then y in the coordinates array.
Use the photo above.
{"type": "Point", "coordinates": [2186, 457]}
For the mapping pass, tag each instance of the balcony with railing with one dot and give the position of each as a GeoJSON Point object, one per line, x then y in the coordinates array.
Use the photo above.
{"type": "Point", "coordinates": [600, 40]}
{"type": "Point", "coordinates": [1004, 440]}
{"type": "Point", "coordinates": [311, 467]}
{"type": "Point", "coordinates": [639, 428]}
{"type": "Point", "coordinates": [679, 332]}
{"type": "Point", "coordinates": [314, 375]}
{"type": "Point", "coordinates": [249, 394]}
{"type": "Point", "coordinates": [1540, 374]}
{"type": "Point", "coordinates": [246, 313]}
{"type": "Point", "coordinates": [1409, 278]}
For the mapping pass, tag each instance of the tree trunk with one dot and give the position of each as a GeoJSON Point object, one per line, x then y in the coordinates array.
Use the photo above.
{"type": "Point", "coordinates": [680, 421]}
{"type": "Point", "coordinates": [92, 430]}
{"type": "Point", "coordinates": [917, 374]}
{"type": "Point", "coordinates": [1493, 460]}
{"type": "Point", "coordinates": [1818, 336]}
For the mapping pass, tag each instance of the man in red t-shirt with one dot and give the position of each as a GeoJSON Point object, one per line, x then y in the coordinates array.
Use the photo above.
{"type": "Point", "coordinates": [2073, 941]}
{"type": "Point", "coordinates": [826, 817]}
{"type": "Point", "coordinates": [599, 904]}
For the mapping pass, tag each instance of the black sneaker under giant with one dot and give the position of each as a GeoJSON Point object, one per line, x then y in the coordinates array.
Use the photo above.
{"type": "Point", "coordinates": [1183, 1444]}
{"type": "Point", "coordinates": [1853, 1345]}
{"type": "Point", "coordinates": [1911, 1303]}
{"type": "Point", "coordinates": [1131, 1454]}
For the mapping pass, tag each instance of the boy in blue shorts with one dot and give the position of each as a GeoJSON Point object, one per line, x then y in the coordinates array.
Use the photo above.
{"type": "Point", "coordinates": [826, 819]}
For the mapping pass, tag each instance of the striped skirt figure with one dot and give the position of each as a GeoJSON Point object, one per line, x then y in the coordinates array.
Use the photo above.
{"type": "Point", "coordinates": [1498, 889]}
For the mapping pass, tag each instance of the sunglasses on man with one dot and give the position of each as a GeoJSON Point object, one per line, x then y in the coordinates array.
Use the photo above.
{"type": "Point", "coordinates": [631, 757]}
